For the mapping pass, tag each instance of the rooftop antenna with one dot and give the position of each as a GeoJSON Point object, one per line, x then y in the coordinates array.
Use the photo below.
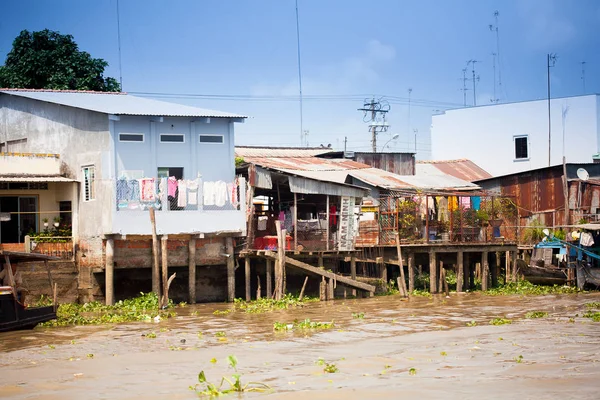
{"type": "Point", "coordinates": [299, 72]}
{"type": "Point", "coordinates": [494, 29]}
{"type": "Point", "coordinates": [583, 75]}
{"type": "Point", "coordinates": [475, 78]}
{"type": "Point", "coordinates": [119, 40]}
{"type": "Point", "coordinates": [464, 88]}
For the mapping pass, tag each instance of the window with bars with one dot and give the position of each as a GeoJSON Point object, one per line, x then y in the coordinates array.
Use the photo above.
{"type": "Point", "coordinates": [89, 183]}
{"type": "Point", "coordinates": [215, 139]}
{"type": "Point", "coordinates": [521, 148]}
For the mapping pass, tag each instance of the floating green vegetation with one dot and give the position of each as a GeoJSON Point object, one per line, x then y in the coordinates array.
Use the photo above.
{"type": "Point", "coordinates": [360, 315]}
{"type": "Point", "coordinates": [145, 307]}
{"type": "Point", "coordinates": [593, 304]}
{"type": "Point", "coordinates": [528, 288]}
{"type": "Point", "coordinates": [593, 315]}
{"type": "Point", "coordinates": [421, 293]}
{"type": "Point", "coordinates": [330, 368]}
{"type": "Point", "coordinates": [204, 388]}
{"type": "Point", "coordinates": [150, 335]}
{"type": "Point", "coordinates": [302, 325]}
{"type": "Point", "coordinates": [412, 371]}
{"type": "Point", "coordinates": [222, 312]}
{"type": "Point", "coordinates": [519, 359]}
{"type": "Point", "coordinates": [266, 305]}
{"type": "Point", "coordinates": [500, 321]}
{"type": "Point", "coordinates": [472, 323]}
{"type": "Point", "coordinates": [443, 354]}
{"type": "Point", "coordinates": [536, 314]}
{"type": "Point", "coordinates": [220, 334]}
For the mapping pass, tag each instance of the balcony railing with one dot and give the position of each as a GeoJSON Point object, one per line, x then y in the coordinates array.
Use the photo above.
{"type": "Point", "coordinates": [56, 246]}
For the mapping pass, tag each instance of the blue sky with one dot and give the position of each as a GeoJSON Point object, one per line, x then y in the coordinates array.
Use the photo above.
{"type": "Point", "coordinates": [350, 49]}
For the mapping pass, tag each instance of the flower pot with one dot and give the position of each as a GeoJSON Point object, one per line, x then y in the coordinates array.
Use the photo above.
{"type": "Point", "coordinates": [56, 224]}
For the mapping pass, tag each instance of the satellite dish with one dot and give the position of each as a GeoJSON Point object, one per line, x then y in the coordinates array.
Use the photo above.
{"type": "Point", "coordinates": [583, 174]}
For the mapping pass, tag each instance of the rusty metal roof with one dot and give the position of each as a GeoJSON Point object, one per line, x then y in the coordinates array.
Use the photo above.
{"type": "Point", "coordinates": [284, 152]}
{"type": "Point", "coordinates": [463, 169]}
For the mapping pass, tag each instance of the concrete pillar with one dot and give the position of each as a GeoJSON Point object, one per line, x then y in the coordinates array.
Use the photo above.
{"type": "Point", "coordinates": [460, 271]}
{"type": "Point", "coordinates": [411, 271]}
{"type": "Point", "coordinates": [353, 272]}
{"type": "Point", "coordinates": [230, 270]}
{"type": "Point", "coordinates": [109, 272]}
{"type": "Point", "coordinates": [432, 272]}
{"type": "Point", "coordinates": [192, 271]}
{"type": "Point", "coordinates": [485, 271]}
{"type": "Point", "coordinates": [269, 273]}
{"type": "Point", "coordinates": [247, 271]}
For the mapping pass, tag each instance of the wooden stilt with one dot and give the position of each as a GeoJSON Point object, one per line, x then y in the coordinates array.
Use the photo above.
{"type": "Point", "coordinates": [258, 293]}
{"type": "Point", "coordinates": [230, 269]}
{"type": "Point", "coordinates": [192, 271]}
{"type": "Point", "coordinates": [269, 274]}
{"type": "Point", "coordinates": [164, 250]}
{"type": "Point", "coordinates": [47, 265]}
{"type": "Point", "coordinates": [155, 256]}
{"type": "Point", "coordinates": [322, 290]}
{"type": "Point", "coordinates": [402, 278]}
{"type": "Point", "coordinates": [460, 272]}
{"type": "Point", "coordinates": [353, 272]}
{"type": "Point", "coordinates": [303, 288]}
{"type": "Point", "coordinates": [247, 276]}
{"type": "Point", "coordinates": [514, 266]}
{"type": "Point", "coordinates": [432, 272]}
{"type": "Point", "coordinates": [445, 282]}
{"type": "Point", "coordinates": [109, 273]}
{"type": "Point", "coordinates": [485, 270]}
{"type": "Point", "coordinates": [411, 272]}
{"type": "Point", "coordinates": [330, 290]}
{"type": "Point", "coordinates": [494, 269]}
{"type": "Point", "coordinates": [440, 286]}
{"type": "Point", "coordinates": [507, 264]}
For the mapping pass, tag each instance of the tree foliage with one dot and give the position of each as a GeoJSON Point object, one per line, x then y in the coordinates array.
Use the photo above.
{"type": "Point", "coordinates": [50, 60]}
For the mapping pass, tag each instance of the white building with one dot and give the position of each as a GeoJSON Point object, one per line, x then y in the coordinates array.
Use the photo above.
{"type": "Point", "coordinates": [509, 138]}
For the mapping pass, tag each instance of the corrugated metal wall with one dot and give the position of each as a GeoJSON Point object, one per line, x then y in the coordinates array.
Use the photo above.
{"type": "Point", "coordinates": [398, 163]}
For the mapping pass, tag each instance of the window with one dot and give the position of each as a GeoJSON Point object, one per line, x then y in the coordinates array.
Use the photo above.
{"type": "Point", "coordinates": [521, 149]}
{"type": "Point", "coordinates": [166, 172]}
{"type": "Point", "coordinates": [131, 137]}
{"type": "Point", "coordinates": [216, 139]}
{"type": "Point", "coordinates": [171, 138]}
{"type": "Point", "coordinates": [89, 183]}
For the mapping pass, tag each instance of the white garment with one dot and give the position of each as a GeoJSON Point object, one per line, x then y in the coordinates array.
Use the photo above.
{"type": "Point", "coordinates": [182, 196]}
{"type": "Point", "coordinates": [586, 239]}
{"type": "Point", "coordinates": [209, 193]}
{"type": "Point", "coordinates": [220, 193]}
{"type": "Point", "coordinates": [192, 187]}
{"type": "Point", "coordinates": [262, 223]}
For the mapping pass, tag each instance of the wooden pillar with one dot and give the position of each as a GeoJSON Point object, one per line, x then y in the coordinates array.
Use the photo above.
{"type": "Point", "coordinates": [432, 272]}
{"type": "Point", "coordinates": [269, 273]}
{"type": "Point", "coordinates": [494, 269]}
{"type": "Point", "coordinates": [383, 271]}
{"type": "Point", "coordinates": [164, 251]}
{"type": "Point", "coordinates": [322, 290]}
{"type": "Point", "coordinates": [327, 222]}
{"type": "Point", "coordinates": [247, 271]}
{"type": "Point", "coordinates": [507, 264]}
{"type": "Point", "coordinates": [330, 289]}
{"type": "Point", "coordinates": [192, 271]}
{"type": "Point", "coordinates": [514, 266]}
{"type": "Point", "coordinates": [109, 272]}
{"type": "Point", "coordinates": [440, 286]}
{"type": "Point", "coordinates": [230, 270]}
{"type": "Point", "coordinates": [353, 272]}
{"type": "Point", "coordinates": [485, 271]}
{"type": "Point", "coordinates": [427, 220]}
{"type": "Point", "coordinates": [460, 271]}
{"type": "Point", "coordinates": [411, 271]}
{"type": "Point", "coordinates": [471, 267]}
{"type": "Point", "coordinates": [401, 279]}
{"type": "Point", "coordinates": [295, 222]}
{"type": "Point", "coordinates": [155, 256]}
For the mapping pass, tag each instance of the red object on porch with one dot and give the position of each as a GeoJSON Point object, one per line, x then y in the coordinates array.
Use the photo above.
{"type": "Point", "coordinates": [270, 243]}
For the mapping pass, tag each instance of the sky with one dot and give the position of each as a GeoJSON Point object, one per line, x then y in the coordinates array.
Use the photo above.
{"type": "Point", "coordinates": [242, 56]}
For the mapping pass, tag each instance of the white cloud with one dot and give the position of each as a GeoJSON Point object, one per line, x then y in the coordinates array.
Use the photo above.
{"type": "Point", "coordinates": [546, 25]}
{"type": "Point", "coordinates": [337, 77]}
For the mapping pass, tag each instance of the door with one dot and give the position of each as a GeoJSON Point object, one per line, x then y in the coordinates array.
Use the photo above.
{"type": "Point", "coordinates": [28, 218]}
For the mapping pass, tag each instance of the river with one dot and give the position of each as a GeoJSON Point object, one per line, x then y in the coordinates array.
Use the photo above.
{"type": "Point", "coordinates": [416, 348]}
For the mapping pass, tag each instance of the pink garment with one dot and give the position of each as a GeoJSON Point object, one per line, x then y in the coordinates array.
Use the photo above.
{"type": "Point", "coordinates": [148, 192]}
{"type": "Point", "coordinates": [281, 216]}
{"type": "Point", "coordinates": [172, 186]}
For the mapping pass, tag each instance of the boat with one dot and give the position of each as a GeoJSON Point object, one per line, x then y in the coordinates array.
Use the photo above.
{"type": "Point", "coordinates": [14, 314]}
{"type": "Point", "coordinates": [547, 266]}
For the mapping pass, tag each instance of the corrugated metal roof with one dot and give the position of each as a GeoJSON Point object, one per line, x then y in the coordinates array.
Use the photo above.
{"type": "Point", "coordinates": [258, 151]}
{"type": "Point", "coordinates": [35, 179]}
{"type": "Point", "coordinates": [463, 169]}
{"type": "Point", "coordinates": [117, 103]}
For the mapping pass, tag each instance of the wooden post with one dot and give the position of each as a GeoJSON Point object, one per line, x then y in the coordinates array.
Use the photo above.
{"type": "Point", "coordinates": [507, 272]}
{"type": "Point", "coordinates": [258, 294]}
{"type": "Point", "coordinates": [294, 222]}
{"type": "Point", "coordinates": [432, 272]}
{"type": "Point", "coordinates": [327, 222]}
{"type": "Point", "coordinates": [460, 272]}
{"type": "Point", "coordinates": [303, 288]}
{"type": "Point", "coordinates": [47, 265]}
{"type": "Point", "coordinates": [485, 270]}
{"type": "Point", "coordinates": [411, 271]}
{"type": "Point", "coordinates": [440, 286]}
{"type": "Point", "coordinates": [445, 285]}
{"type": "Point", "coordinates": [247, 271]}
{"type": "Point", "coordinates": [230, 269]}
{"type": "Point", "coordinates": [402, 285]}
{"type": "Point", "coordinates": [322, 290]}
{"type": "Point", "coordinates": [471, 270]}
{"type": "Point", "coordinates": [427, 220]}
{"type": "Point", "coordinates": [330, 289]}
{"type": "Point", "coordinates": [164, 250]}
{"type": "Point", "coordinates": [494, 269]}
{"type": "Point", "coordinates": [155, 255]}
{"type": "Point", "coordinates": [280, 264]}
{"type": "Point", "coordinates": [192, 271]}
{"type": "Point", "coordinates": [353, 272]}
{"type": "Point", "coordinates": [109, 273]}
{"type": "Point", "coordinates": [9, 273]}
{"type": "Point", "coordinates": [514, 266]}
{"type": "Point", "coordinates": [383, 271]}
{"type": "Point", "coordinates": [269, 265]}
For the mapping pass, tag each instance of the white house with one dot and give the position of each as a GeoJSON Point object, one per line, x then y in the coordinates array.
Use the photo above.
{"type": "Point", "coordinates": [513, 137]}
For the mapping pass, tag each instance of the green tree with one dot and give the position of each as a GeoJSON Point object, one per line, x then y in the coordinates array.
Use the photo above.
{"type": "Point", "coordinates": [49, 60]}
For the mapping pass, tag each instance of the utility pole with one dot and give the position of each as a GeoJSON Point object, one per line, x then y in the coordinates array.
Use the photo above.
{"type": "Point", "coordinates": [475, 78]}
{"type": "Point", "coordinates": [464, 88]}
{"type": "Point", "coordinates": [495, 99]}
{"type": "Point", "coordinates": [551, 61]}
{"type": "Point", "coordinates": [415, 131]}
{"type": "Point", "coordinates": [494, 29]}
{"type": "Point", "coordinates": [409, 95]}
{"type": "Point", "coordinates": [345, 144]}
{"type": "Point", "coordinates": [376, 111]}
{"type": "Point", "coordinates": [583, 75]}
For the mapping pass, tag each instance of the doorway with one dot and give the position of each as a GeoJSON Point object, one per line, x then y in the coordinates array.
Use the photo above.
{"type": "Point", "coordinates": [23, 218]}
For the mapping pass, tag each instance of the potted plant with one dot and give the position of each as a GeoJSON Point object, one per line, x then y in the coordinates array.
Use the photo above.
{"type": "Point", "coordinates": [56, 222]}
{"type": "Point", "coordinates": [45, 220]}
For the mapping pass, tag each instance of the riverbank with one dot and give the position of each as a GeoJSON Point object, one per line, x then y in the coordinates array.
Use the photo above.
{"type": "Point", "coordinates": [447, 343]}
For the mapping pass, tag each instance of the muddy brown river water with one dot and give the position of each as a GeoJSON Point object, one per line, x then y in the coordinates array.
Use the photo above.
{"type": "Point", "coordinates": [547, 358]}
